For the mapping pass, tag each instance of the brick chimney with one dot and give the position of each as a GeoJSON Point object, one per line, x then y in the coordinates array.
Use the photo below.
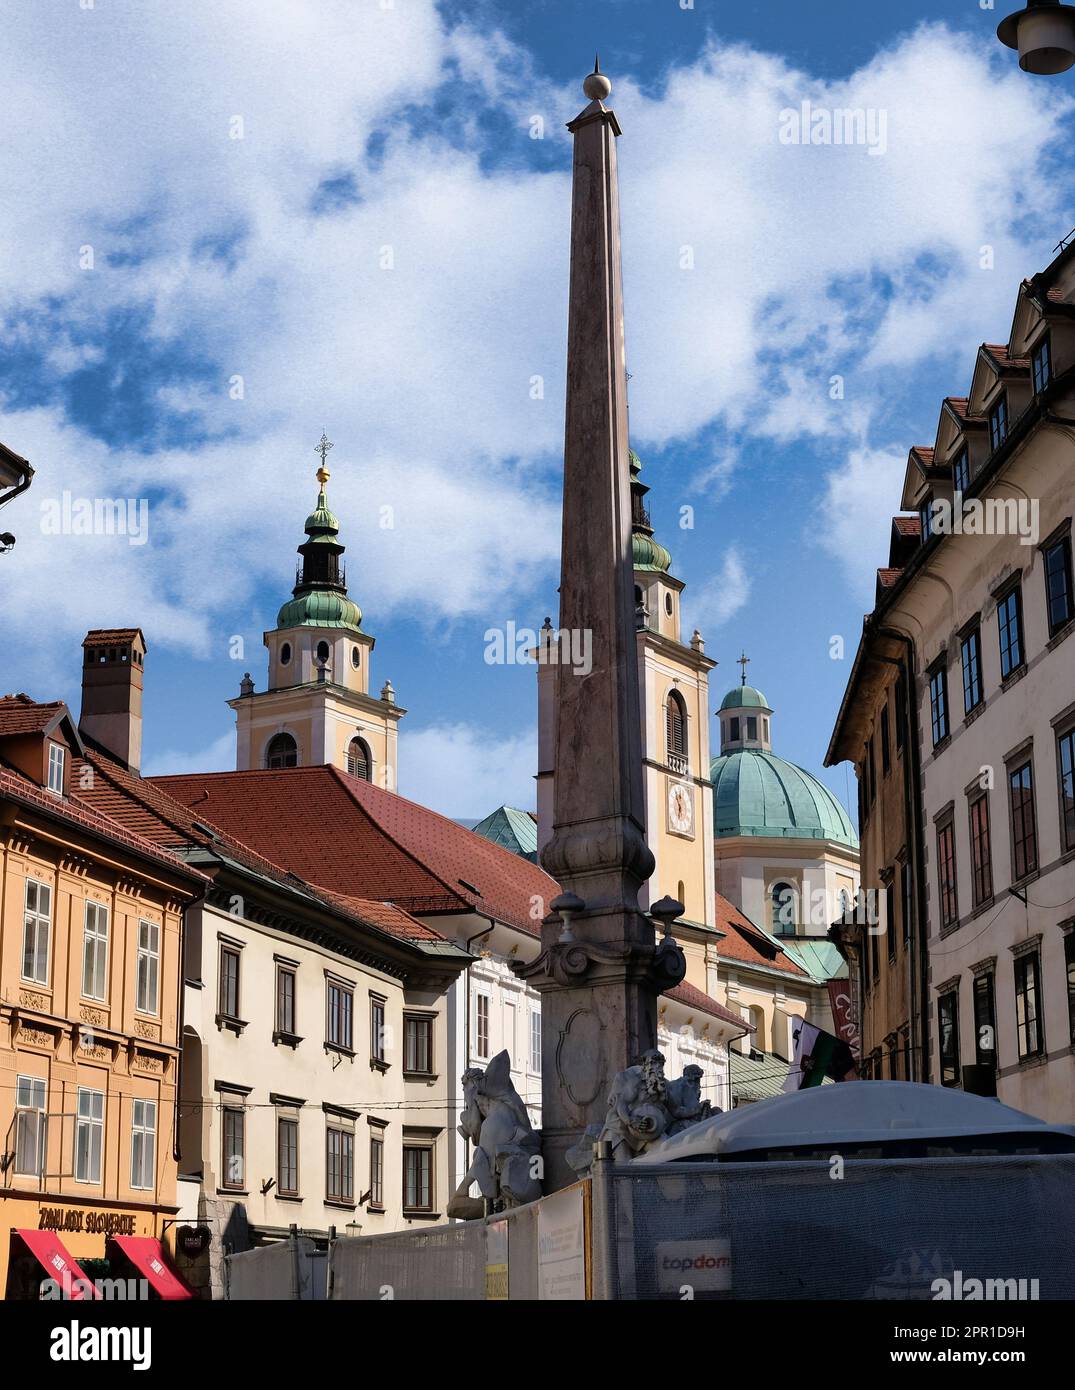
{"type": "Point", "coordinates": [113, 661]}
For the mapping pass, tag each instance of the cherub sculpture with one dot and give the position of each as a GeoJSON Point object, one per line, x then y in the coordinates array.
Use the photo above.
{"type": "Point", "coordinates": [494, 1118]}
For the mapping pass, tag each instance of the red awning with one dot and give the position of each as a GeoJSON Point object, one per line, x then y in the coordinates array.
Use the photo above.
{"type": "Point", "coordinates": [146, 1253]}
{"type": "Point", "coordinates": [55, 1260]}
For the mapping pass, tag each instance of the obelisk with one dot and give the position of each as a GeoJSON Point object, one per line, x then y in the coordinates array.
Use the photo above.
{"type": "Point", "coordinates": [600, 969]}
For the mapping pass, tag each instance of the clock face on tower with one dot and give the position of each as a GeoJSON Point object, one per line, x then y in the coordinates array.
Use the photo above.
{"type": "Point", "coordinates": [680, 809]}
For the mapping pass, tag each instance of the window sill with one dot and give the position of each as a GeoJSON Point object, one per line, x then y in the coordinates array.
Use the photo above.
{"type": "Point", "coordinates": [974, 713]}
{"type": "Point", "coordinates": [409, 1215]}
{"type": "Point", "coordinates": [233, 1192]}
{"type": "Point", "coordinates": [288, 1197]}
{"type": "Point", "coordinates": [941, 744]}
{"type": "Point", "coordinates": [288, 1039]}
{"type": "Point", "coordinates": [233, 1025]}
{"type": "Point", "coordinates": [1016, 675]}
{"type": "Point", "coordinates": [379, 1211]}
{"type": "Point", "coordinates": [343, 1051]}
{"type": "Point", "coordinates": [981, 907]}
{"type": "Point", "coordinates": [420, 1076]}
{"type": "Point", "coordinates": [1029, 1063]}
{"type": "Point", "coordinates": [1065, 630]}
{"type": "Point", "coordinates": [379, 1064]}
{"type": "Point", "coordinates": [339, 1205]}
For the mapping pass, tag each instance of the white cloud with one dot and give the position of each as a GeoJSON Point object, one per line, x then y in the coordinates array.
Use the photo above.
{"type": "Point", "coordinates": [854, 518]}
{"type": "Point", "coordinates": [219, 756]}
{"type": "Point", "coordinates": [459, 770]}
{"type": "Point", "coordinates": [716, 600]}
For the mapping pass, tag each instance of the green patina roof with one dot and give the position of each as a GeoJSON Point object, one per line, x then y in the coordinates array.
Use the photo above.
{"type": "Point", "coordinates": [757, 793]}
{"type": "Point", "coordinates": [744, 697]}
{"type": "Point", "coordinates": [513, 829]}
{"type": "Point", "coordinates": [818, 958]}
{"type": "Point", "coordinates": [320, 608]}
{"type": "Point", "coordinates": [648, 554]}
{"type": "Point", "coordinates": [322, 524]}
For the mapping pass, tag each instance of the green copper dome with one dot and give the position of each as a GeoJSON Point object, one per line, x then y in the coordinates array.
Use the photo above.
{"type": "Point", "coordinates": [757, 793]}
{"type": "Point", "coordinates": [744, 697]}
{"type": "Point", "coordinates": [320, 608]}
{"type": "Point", "coordinates": [648, 554]}
{"type": "Point", "coordinates": [322, 524]}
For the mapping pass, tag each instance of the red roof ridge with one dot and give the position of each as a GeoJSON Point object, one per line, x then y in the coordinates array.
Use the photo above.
{"type": "Point", "coordinates": [694, 998]}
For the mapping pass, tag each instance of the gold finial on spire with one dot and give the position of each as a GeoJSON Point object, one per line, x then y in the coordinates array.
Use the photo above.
{"type": "Point", "coordinates": [743, 661]}
{"type": "Point", "coordinates": [323, 475]}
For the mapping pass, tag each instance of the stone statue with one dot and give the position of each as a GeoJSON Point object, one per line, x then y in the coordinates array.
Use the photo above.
{"type": "Point", "coordinates": [644, 1106]}
{"type": "Point", "coordinates": [494, 1118]}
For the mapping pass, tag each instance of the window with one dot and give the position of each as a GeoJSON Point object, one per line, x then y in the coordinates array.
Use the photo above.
{"type": "Point", "coordinates": [535, 1039]}
{"type": "Point", "coordinates": [752, 727]}
{"type": "Point", "coordinates": [907, 875]}
{"type": "Point", "coordinates": [376, 1170]}
{"type": "Point", "coordinates": [886, 752]}
{"type": "Point", "coordinates": [57, 757]}
{"type": "Point", "coordinates": [95, 952]}
{"type": "Point", "coordinates": [1069, 966]}
{"type": "Point", "coordinates": [1058, 596]}
{"type": "Point", "coordinates": [938, 704]}
{"type": "Point", "coordinates": [37, 922]}
{"type": "Point", "coordinates": [285, 999]}
{"type": "Point", "coordinates": [676, 731]}
{"type": "Point", "coordinates": [417, 1177]}
{"type": "Point", "coordinates": [961, 472]}
{"type": "Point", "coordinates": [377, 1030]}
{"type": "Point", "coordinates": [925, 517]}
{"type": "Point", "coordinates": [971, 651]}
{"type": "Point", "coordinates": [481, 1025]}
{"type": "Point", "coordinates": [148, 968]}
{"type": "Point", "coordinates": [340, 1012]}
{"type": "Point", "coordinates": [89, 1135]}
{"type": "Point", "coordinates": [1027, 1006]}
{"type": "Point", "coordinates": [30, 1125]}
{"type": "Point", "coordinates": [948, 1019]}
{"type": "Point", "coordinates": [144, 1144]}
{"type": "Point", "coordinates": [783, 900]}
{"type": "Point", "coordinates": [282, 751]}
{"type": "Point", "coordinates": [890, 917]}
{"type": "Point", "coordinates": [285, 654]}
{"type": "Point", "coordinates": [1010, 627]}
{"type": "Point", "coordinates": [1065, 762]}
{"type": "Point", "coordinates": [509, 1043]}
{"type": "Point", "coordinates": [998, 423]}
{"type": "Point", "coordinates": [229, 982]}
{"type": "Point", "coordinates": [1024, 831]}
{"type": "Point", "coordinates": [233, 1145]}
{"type": "Point", "coordinates": [1041, 366]}
{"type": "Point", "coordinates": [946, 873]}
{"type": "Point", "coordinates": [323, 652]}
{"type": "Point", "coordinates": [985, 1022]}
{"type": "Point", "coordinates": [340, 1165]}
{"type": "Point", "coordinates": [901, 711]}
{"type": "Point", "coordinates": [981, 852]}
{"type": "Point", "coordinates": [359, 762]}
{"type": "Point", "coordinates": [287, 1157]}
{"type": "Point", "coordinates": [418, 1044]}
{"type": "Point", "coordinates": [356, 657]}
{"type": "Point", "coordinates": [733, 730]}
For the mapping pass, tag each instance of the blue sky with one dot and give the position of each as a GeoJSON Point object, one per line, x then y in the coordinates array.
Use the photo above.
{"type": "Point", "coordinates": [194, 285]}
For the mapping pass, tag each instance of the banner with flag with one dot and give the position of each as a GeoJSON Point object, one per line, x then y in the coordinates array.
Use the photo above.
{"type": "Point", "coordinates": [818, 1054]}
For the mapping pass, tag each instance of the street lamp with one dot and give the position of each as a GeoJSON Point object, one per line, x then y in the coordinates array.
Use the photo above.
{"type": "Point", "coordinates": [15, 476]}
{"type": "Point", "coordinates": [1044, 34]}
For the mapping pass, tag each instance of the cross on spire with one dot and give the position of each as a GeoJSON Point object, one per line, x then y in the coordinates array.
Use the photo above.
{"type": "Point", "coordinates": [743, 661]}
{"type": "Point", "coordinates": [322, 448]}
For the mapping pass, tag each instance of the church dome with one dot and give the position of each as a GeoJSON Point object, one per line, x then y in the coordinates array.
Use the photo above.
{"type": "Point", "coordinates": [648, 554]}
{"type": "Point", "coordinates": [744, 697]}
{"type": "Point", "coordinates": [320, 608]}
{"type": "Point", "coordinates": [757, 793]}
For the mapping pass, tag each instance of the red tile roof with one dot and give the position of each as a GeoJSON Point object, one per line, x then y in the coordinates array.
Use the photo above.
{"type": "Point", "coordinates": [999, 353]}
{"type": "Point", "coordinates": [21, 715]}
{"type": "Point", "coordinates": [887, 577]}
{"type": "Point", "coordinates": [143, 806]}
{"type": "Point", "coordinates": [76, 812]}
{"type": "Point", "coordinates": [694, 998]}
{"type": "Point", "coordinates": [97, 635]}
{"type": "Point", "coordinates": [744, 942]}
{"type": "Point", "coordinates": [908, 525]}
{"type": "Point", "coordinates": [360, 840]}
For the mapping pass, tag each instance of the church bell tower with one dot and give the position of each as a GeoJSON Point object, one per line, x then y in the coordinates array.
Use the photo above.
{"type": "Point", "coordinates": [318, 708]}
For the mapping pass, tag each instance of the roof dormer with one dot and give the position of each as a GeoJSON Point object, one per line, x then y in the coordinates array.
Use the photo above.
{"type": "Point", "coordinates": [39, 741]}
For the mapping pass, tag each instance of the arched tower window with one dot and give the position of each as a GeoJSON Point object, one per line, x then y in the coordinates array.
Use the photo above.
{"type": "Point", "coordinates": [785, 903]}
{"type": "Point", "coordinates": [676, 732]}
{"type": "Point", "coordinates": [282, 751]}
{"type": "Point", "coordinates": [359, 761]}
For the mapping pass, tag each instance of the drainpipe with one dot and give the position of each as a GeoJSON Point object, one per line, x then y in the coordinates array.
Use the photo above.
{"type": "Point", "coordinates": [913, 806]}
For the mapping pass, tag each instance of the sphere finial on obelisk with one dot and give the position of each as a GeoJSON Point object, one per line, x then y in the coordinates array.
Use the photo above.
{"type": "Point", "coordinates": [597, 86]}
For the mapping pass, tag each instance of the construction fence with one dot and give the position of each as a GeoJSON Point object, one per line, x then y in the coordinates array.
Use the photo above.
{"type": "Point", "coordinates": [960, 1227]}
